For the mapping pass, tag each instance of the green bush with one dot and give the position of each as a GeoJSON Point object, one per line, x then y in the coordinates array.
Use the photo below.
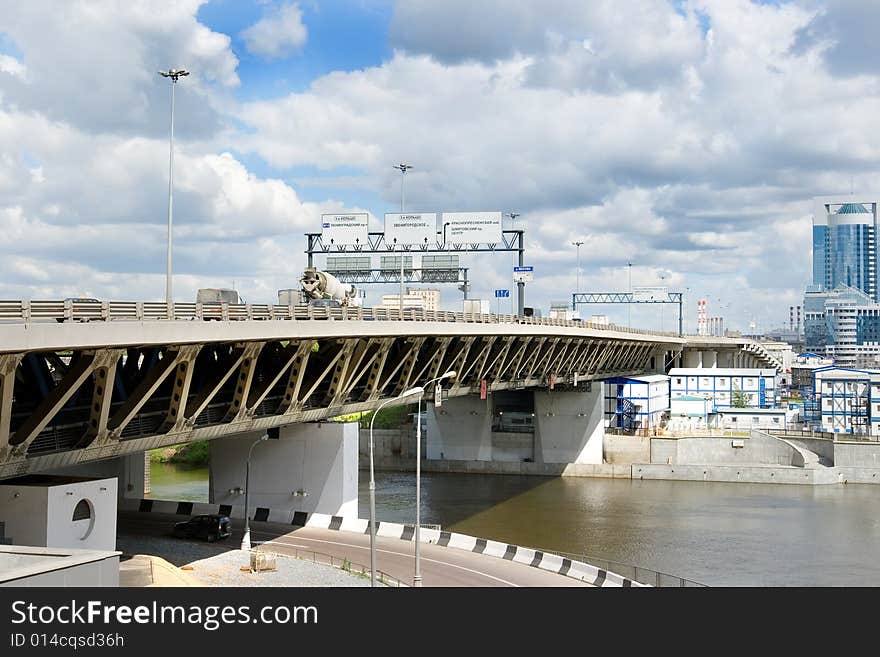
{"type": "Point", "coordinates": [195, 453]}
{"type": "Point", "coordinates": [390, 417]}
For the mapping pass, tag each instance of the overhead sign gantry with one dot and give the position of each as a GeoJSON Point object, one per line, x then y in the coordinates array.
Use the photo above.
{"type": "Point", "coordinates": [417, 232]}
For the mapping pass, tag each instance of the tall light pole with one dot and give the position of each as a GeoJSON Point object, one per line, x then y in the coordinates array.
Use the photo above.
{"type": "Point", "coordinates": [417, 577]}
{"type": "Point", "coordinates": [407, 393]}
{"type": "Point", "coordinates": [520, 285]}
{"type": "Point", "coordinates": [577, 246]}
{"type": "Point", "coordinates": [246, 539]}
{"type": "Point", "coordinates": [629, 305]}
{"type": "Point", "coordinates": [403, 167]}
{"type": "Point", "coordinates": [174, 74]}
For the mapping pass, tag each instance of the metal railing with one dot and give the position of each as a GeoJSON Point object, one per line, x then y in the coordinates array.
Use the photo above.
{"type": "Point", "coordinates": [824, 435]}
{"type": "Point", "coordinates": [635, 573]}
{"type": "Point", "coordinates": [320, 558]}
{"type": "Point", "coordinates": [84, 311]}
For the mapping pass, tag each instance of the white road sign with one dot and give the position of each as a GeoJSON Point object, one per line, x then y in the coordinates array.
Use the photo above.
{"type": "Point", "coordinates": [410, 229]}
{"type": "Point", "coordinates": [523, 274]}
{"type": "Point", "coordinates": [344, 229]}
{"type": "Point", "coordinates": [650, 294]}
{"type": "Point", "coordinates": [471, 227]}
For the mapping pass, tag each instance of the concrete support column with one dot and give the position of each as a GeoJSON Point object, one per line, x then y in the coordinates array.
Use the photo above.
{"type": "Point", "coordinates": [710, 358]}
{"type": "Point", "coordinates": [693, 358]}
{"type": "Point", "coordinates": [311, 468]}
{"type": "Point", "coordinates": [460, 430]}
{"type": "Point", "coordinates": [725, 359]}
{"type": "Point", "coordinates": [569, 426]}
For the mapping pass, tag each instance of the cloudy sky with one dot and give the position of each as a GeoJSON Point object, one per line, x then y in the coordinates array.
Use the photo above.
{"type": "Point", "coordinates": [683, 136]}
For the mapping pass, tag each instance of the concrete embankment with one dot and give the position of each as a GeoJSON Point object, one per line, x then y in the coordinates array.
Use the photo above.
{"type": "Point", "coordinates": [757, 458]}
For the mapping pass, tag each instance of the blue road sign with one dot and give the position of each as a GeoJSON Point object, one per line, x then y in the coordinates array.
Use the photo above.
{"type": "Point", "coordinates": [523, 269]}
{"type": "Point", "coordinates": [502, 294]}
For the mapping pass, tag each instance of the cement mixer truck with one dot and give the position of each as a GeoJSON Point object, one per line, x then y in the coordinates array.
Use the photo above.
{"type": "Point", "coordinates": [321, 285]}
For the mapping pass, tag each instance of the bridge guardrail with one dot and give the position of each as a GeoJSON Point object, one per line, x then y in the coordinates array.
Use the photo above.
{"type": "Point", "coordinates": [88, 311]}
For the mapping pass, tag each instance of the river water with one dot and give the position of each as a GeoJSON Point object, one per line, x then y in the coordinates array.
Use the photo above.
{"type": "Point", "coordinates": [714, 533]}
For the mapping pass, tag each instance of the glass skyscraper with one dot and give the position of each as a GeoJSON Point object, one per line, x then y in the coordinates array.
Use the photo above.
{"type": "Point", "coordinates": [841, 311]}
{"type": "Point", "coordinates": [845, 247]}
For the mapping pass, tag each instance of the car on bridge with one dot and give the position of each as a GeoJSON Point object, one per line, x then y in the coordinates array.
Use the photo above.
{"type": "Point", "coordinates": [207, 528]}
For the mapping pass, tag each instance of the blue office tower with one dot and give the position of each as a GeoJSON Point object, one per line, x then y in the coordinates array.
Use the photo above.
{"type": "Point", "coordinates": [845, 246]}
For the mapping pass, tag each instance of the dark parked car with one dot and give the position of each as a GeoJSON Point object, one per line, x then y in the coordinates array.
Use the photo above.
{"type": "Point", "coordinates": [207, 528]}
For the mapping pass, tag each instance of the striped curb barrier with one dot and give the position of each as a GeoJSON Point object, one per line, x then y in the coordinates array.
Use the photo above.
{"type": "Point", "coordinates": [535, 558]}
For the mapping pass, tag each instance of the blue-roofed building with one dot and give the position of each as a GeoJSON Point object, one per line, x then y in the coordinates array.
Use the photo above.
{"type": "Point", "coordinates": [636, 403]}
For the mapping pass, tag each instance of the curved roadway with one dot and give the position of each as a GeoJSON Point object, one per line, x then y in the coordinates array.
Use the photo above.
{"type": "Point", "coordinates": [441, 566]}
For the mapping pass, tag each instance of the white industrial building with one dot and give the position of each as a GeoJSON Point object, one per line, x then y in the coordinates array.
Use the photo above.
{"type": "Point", "coordinates": [636, 402]}
{"type": "Point", "coordinates": [721, 385]}
{"type": "Point", "coordinates": [690, 412]}
{"type": "Point", "coordinates": [848, 400]}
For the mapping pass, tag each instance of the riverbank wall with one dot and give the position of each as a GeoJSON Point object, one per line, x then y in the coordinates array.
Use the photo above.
{"type": "Point", "coordinates": [758, 458]}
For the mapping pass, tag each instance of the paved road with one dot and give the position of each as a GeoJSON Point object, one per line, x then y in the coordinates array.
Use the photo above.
{"type": "Point", "coordinates": [441, 566]}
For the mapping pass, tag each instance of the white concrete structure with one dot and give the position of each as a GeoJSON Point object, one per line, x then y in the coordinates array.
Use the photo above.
{"type": "Point", "coordinates": [59, 512]}
{"type": "Point", "coordinates": [720, 385]}
{"type": "Point", "coordinates": [639, 400]}
{"type": "Point", "coordinates": [56, 567]}
{"type": "Point", "coordinates": [312, 467]}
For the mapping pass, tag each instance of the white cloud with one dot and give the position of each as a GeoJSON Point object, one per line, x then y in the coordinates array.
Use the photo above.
{"type": "Point", "coordinates": [280, 34]}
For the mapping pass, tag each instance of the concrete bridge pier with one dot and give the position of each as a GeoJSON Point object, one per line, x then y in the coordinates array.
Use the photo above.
{"type": "Point", "coordinates": [569, 425]}
{"type": "Point", "coordinates": [710, 358]}
{"type": "Point", "coordinates": [693, 358]}
{"type": "Point", "coordinates": [460, 430]}
{"type": "Point", "coordinates": [568, 428]}
{"type": "Point", "coordinates": [312, 467]}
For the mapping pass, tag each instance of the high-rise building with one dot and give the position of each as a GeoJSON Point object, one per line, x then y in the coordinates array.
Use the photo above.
{"type": "Point", "coordinates": [845, 243]}
{"type": "Point", "coordinates": [841, 313]}
{"type": "Point", "coordinates": [430, 296]}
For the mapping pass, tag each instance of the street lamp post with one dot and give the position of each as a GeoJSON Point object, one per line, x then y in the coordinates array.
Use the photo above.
{"type": "Point", "coordinates": [174, 74]}
{"type": "Point", "coordinates": [407, 393]}
{"type": "Point", "coordinates": [403, 168]}
{"type": "Point", "coordinates": [246, 539]}
{"type": "Point", "coordinates": [417, 577]}
{"type": "Point", "coordinates": [577, 245]}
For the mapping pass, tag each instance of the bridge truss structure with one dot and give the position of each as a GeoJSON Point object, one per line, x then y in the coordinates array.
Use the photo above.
{"type": "Point", "coordinates": [103, 383]}
{"type": "Point", "coordinates": [627, 297]}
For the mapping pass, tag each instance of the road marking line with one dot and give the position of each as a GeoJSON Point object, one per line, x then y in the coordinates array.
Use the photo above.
{"type": "Point", "coordinates": [400, 554]}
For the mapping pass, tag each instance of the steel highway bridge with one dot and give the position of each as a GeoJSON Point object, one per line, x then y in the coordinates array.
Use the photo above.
{"type": "Point", "coordinates": [86, 381]}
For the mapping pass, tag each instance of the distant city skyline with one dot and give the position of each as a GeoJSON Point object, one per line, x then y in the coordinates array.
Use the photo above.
{"type": "Point", "coordinates": [688, 139]}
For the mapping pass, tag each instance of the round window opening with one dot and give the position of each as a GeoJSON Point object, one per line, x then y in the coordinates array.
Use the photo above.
{"type": "Point", "coordinates": [83, 519]}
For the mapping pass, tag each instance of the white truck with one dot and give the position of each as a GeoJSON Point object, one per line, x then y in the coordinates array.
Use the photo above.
{"type": "Point", "coordinates": [318, 285]}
